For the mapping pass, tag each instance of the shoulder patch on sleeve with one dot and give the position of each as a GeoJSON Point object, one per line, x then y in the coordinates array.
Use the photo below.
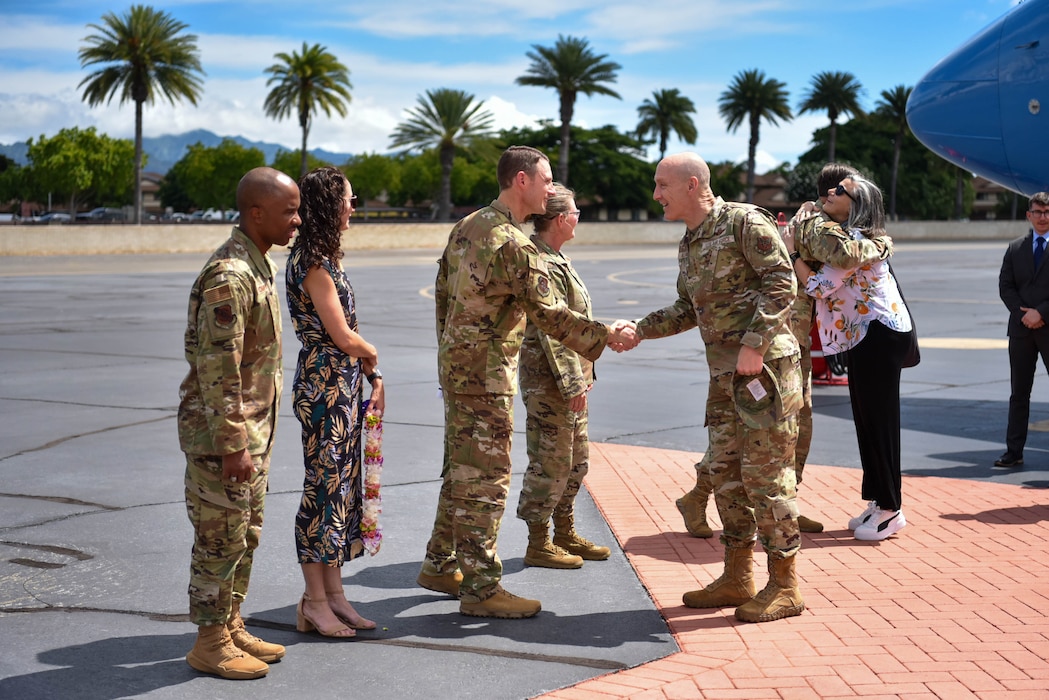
{"type": "Point", "coordinates": [764, 245]}
{"type": "Point", "coordinates": [221, 292]}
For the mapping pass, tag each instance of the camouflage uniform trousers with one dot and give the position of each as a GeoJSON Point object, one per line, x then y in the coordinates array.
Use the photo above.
{"type": "Point", "coordinates": [558, 457]}
{"type": "Point", "coordinates": [752, 470]}
{"type": "Point", "coordinates": [801, 450]}
{"type": "Point", "coordinates": [227, 522]}
{"type": "Point", "coordinates": [476, 479]}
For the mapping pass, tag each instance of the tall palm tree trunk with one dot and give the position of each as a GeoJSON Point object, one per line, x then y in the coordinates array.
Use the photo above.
{"type": "Point", "coordinates": [752, 151]}
{"type": "Point", "coordinates": [897, 147]}
{"type": "Point", "coordinates": [833, 141]}
{"type": "Point", "coordinates": [137, 218]}
{"type": "Point", "coordinates": [302, 152]}
{"type": "Point", "coordinates": [567, 108]}
{"type": "Point", "coordinates": [444, 205]}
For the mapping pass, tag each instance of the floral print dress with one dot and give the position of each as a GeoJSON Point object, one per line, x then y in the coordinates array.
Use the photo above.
{"type": "Point", "coordinates": [327, 403]}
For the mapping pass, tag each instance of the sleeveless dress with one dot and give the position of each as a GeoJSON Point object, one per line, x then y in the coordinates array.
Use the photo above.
{"type": "Point", "coordinates": [327, 403]}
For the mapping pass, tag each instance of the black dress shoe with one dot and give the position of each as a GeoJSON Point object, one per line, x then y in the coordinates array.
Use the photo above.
{"type": "Point", "coordinates": [1009, 460]}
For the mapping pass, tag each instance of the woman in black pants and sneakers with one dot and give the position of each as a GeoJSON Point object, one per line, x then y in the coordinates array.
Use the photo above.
{"type": "Point", "coordinates": [861, 313]}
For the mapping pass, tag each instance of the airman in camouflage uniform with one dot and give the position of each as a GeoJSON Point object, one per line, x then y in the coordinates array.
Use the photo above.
{"type": "Point", "coordinates": [226, 420]}
{"type": "Point", "coordinates": [489, 279]}
{"type": "Point", "coordinates": [554, 386]}
{"type": "Point", "coordinates": [736, 284]}
{"type": "Point", "coordinates": [813, 243]}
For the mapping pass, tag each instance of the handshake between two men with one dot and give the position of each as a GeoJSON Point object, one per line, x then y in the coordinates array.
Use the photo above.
{"type": "Point", "coordinates": [623, 336]}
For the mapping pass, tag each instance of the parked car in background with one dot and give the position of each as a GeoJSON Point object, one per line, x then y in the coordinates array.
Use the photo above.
{"type": "Point", "coordinates": [53, 217]}
{"type": "Point", "coordinates": [101, 215]}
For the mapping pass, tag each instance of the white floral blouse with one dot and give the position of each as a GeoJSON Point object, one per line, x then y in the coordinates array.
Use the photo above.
{"type": "Point", "coordinates": [850, 299]}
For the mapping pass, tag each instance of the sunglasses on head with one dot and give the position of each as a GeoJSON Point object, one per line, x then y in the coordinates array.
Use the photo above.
{"type": "Point", "coordinates": [840, 190]}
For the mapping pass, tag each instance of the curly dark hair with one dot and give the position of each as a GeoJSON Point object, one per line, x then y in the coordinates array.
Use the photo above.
{"type": "Point", "coordinates": [320, 208]}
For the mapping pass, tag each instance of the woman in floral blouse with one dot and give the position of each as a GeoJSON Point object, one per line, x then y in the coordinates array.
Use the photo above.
{"type": "Point", "coordinates": [861, 313]}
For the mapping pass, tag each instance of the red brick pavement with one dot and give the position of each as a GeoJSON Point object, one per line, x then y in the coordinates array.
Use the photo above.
{"type": "Point", "coordinates": [955, 606]}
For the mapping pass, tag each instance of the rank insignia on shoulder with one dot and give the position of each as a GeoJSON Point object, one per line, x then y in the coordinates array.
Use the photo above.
{"type": "Point", "coordinates": [224, 316]}
{"type": "Point", "coordinates": [218, 293]}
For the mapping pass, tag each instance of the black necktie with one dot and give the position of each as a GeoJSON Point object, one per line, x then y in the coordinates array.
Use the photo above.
{"type": "Point", "coordinates": [1039, 248]}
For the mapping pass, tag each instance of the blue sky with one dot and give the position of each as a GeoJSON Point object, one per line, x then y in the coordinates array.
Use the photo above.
{"type": "Point", "coordinates": [398, 49]}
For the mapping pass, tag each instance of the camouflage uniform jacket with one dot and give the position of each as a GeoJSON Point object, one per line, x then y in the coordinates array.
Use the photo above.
{"type": "Point", "coordinates": [819, 240]}
{"type": "Point", "coordinates": [736, 283]}
{"type": "Point", "coordinates": [488, 279]}
{"type": "Point", "coordinates": [229, 399]}
{"type": "Point", "coordinates": [547, 365]}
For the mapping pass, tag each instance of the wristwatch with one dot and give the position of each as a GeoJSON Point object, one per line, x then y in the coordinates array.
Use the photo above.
{"type": "Point", "coordinates": [373, 376]}
{"type": "Point", "coordinates": [795, 256]}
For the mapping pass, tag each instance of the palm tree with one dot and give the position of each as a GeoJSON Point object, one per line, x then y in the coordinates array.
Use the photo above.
{"type": "Point", "coordinates": [836, 93]}
{"type": "Point", "coordinates": [446, 120]}
{"type": "Point", "coordinates": [140, 54]}
{"type": "Point", "coordinates": [305, 83]}
{"type": "Point", "coordinates": [893, 105]}
{"type": "Point", "coordinates": [667, 112]}
{"type": "Point", "coordinates": [752, 97]}
{"type": "Point", "coordinates": [569, 67]}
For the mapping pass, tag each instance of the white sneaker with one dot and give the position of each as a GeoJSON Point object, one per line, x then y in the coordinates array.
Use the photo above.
{"type": "Point", "coordinates": [862, 517]}
{"type": "Point", "coordinates": [881, 524]}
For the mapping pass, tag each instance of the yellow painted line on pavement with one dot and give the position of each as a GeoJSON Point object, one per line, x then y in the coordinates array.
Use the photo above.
{"type": "Point", "coordinates": [964, 343]}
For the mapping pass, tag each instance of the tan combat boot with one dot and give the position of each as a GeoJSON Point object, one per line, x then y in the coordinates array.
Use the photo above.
{"type": "Point", "coordinates": [693, 507]}
{"type": "Point", "coordinates": [569, 540]}
{"type": "Point", "coordinates": [542, 552]}
{"type": "Point", "coordinates": [502, 604]}
{"type": "Point", "coordinates": [809, 525]}
{"type": "Point", "coordinates": [780, 598]}
{"type": "Point", "coordinates": [734, 587]}
{"type": "Point", "coordinates": [215, 653]}
{"type": "Point", "coordinates": [441, 583]}
{"type": "Point", "coordinates": [246, 641]}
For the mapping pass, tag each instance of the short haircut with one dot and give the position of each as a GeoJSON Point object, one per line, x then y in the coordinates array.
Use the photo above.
{"type": "Point", "coordinates": [517, 159]}
{"type": "Point", "coordinates": [1039, 198]}
{"type": "Point", "coordinates": [831, 175]}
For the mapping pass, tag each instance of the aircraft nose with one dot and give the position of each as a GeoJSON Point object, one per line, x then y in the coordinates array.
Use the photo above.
{"type": "Point", "coordinates": [979, 107]}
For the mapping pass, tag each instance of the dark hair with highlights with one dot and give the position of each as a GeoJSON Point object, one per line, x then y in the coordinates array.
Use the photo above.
{"type": "Point", "coordinates": [320, 208]}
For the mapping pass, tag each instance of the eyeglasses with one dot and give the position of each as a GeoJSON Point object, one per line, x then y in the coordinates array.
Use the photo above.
{"type": "Point", "coordinates": [575, 213]}
{"type": "Point", "coordinates": [840, 190]}
{"type": "Point", "coordinates": [353, 202]}
{"type": "Point", "coordinates": [1037, 213]}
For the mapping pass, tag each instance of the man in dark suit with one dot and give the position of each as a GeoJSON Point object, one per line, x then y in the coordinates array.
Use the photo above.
{"type": "Point", "coordinates": [1024, 287]}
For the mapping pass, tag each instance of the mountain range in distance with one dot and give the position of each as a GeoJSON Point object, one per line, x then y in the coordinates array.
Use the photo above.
{"type": "Point", "coordinates": [165, 151]}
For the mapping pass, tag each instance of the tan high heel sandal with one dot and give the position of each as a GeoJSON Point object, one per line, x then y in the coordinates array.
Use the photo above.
{"type": "Point", "coordinates": [304, 624]}
{"type": "Point", "coordinates": [361, 623]}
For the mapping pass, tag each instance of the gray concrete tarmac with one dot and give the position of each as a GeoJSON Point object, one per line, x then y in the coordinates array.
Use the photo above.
{"type": "Point", "coordinates": [94, 542]}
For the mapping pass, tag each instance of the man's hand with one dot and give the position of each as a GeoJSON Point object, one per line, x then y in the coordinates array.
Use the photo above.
{"type": "Point", "coordinates": [238, 467]}
{"type": "Point", "coordinates": [623, 336]}
{"type": "Point", "coordinates": [749, 361]}
{"type": "Point", "coordinates": [577, 403]}
{"type": "Point", "coordinates": [1031, 318]}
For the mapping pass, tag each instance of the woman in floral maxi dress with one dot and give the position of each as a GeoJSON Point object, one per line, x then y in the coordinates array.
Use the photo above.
{"type": "Point", "coordinates": [327, 402]}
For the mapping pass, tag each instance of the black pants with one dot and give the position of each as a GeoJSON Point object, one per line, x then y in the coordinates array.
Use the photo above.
{"type": "Point", "coordinates": [874, 388]}
{"type": "Point", "coordinates": [1023, 361]}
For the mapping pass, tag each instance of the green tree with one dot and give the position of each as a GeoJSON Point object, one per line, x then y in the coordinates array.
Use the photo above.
{"type": "Point", "coordinates": [615, 176]}
{"type": "Point", "coordinates": [140, 54]}
{"type": "Point", "coordinates": [12, 183]}
{"type": "Point", "coordinates": [726, 179]}
{"type": "Point", "coordinates": [571, 68]}
{"type": "Point", "coordinates": [290, 162]}
{"type": "Point", "coordinates": [893, 106]}
{"type": "Point", "coordinates": [667, 112]}
{"type": "Point", "coordinates": [836, 93]}
{"type": "Point", "coordinates": [82, 166]}
{"type": "Point", "coordinates": [750, 98]}
{"type": "Point", "coordinates": [444, 120]}
{"type": "Point", "coordinates": [210, 174]}
{"type": "Point", "coordinates": [373, 176]}
{"type": "Point", "coordinates": [305, 83]}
